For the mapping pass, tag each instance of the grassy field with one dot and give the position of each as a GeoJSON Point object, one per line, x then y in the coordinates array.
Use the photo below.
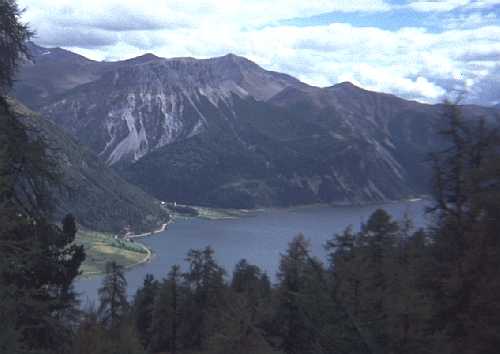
{"type": "Point", "coordinates": [101, 248]}
{"type": "Point", "coordinates": [214, 213]}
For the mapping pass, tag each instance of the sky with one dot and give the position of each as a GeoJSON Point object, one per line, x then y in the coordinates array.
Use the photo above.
{"type": "Point", "coordinates": [421, 50]}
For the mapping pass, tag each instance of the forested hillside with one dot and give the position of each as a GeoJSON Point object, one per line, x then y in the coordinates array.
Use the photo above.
{"type": "Point", "coordinates": [388, 288]}
{"type": "Point", "coordinates": [97, 196]}
{"type": "Point", "coordinates": [226, 132]}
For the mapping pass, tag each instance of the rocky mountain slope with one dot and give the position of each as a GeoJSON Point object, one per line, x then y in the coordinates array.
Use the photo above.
{"type": "Point", "coordinates": [96, 195]}
{"type": "Point", "coordinates": [225, 132]}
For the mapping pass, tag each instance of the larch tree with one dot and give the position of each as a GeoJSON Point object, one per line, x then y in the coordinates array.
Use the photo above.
{"type": "Point", "coordinates": [113, 296]}
{"type": "Point", "coordinates": [143, 308]}
{"type": "Point", "coordinates": [38, 261]}
{"type": "Point", "coordinates": [466, 244]}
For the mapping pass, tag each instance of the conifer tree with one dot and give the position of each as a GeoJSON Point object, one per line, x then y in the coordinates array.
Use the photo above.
{"type": "Point", "coordinates": [377, 257]}
{"type": "Point", "coordinates": [38, 263]}
{"type": "Point", "coordinates": [113, 297]}
{"type": "Point", "coordinates": [143, 308]}
{"type": "Point", "coordinates": [205, 281]}
{"type": "Point", "coordinates": [465, 240]}
{"type": "Point", "coordinates": [246, 304]}
{"type": "Point", "coordinates": [250, 281]}
{"type": "Point", "coordinates": [92, 337]}
{"type": "Point", "coordinates": [13, 37]}
{"type": "Point", "coordinates": [166, 316]}
{"type": "Point", "coordinates": [297, 299]}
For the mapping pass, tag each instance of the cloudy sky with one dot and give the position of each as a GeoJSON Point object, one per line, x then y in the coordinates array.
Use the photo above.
{"type": "Point", "coordinates": [417, 49]}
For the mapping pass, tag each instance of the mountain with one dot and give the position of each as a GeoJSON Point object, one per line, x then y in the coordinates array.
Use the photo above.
{"type": "Point", "coordinates": [226, 132]}
{"type": "Point", "coordinates": [298, 148]}
{"type": "Point", "coordinates": [138, 105]}
{"type": "Point", "coordinates": [97, 196]}
{"type": "Point", "coordinates": [50, 72]}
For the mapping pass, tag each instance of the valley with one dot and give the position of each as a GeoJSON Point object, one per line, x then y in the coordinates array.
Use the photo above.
{"type": "Point", "coordinates": [223, 132]}
{"type": "Point", "coordinates": [260, 237]}
{"type": "Point", "coordinates": [220, 133]}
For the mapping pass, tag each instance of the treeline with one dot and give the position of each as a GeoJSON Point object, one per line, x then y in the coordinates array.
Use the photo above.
{"type": "Point", "coordinates": [386, 289]}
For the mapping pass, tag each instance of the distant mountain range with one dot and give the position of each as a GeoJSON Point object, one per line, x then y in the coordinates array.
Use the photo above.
{"type": "Point", "coordinates": [91, 191]}
{"type": "Point", "coordinates": [225, 132]}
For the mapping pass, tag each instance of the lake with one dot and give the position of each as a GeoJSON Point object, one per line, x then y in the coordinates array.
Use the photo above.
{"type": "Point", "coordinates": [259, 237]}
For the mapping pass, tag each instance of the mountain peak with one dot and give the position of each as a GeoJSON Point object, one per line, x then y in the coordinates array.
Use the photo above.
{"type": "Point", "coordinates": [231, 55]}
{"type": "Point", "coordinates": [148, 56]}
{"type": "Point", "coordinates": [144, 58]}
{"type": "Point", "coordinates": [54, 54]}
{"type": "Point", "coordinates": [345, 85]}
{"type": "Point", "coordinates": [234, 59]}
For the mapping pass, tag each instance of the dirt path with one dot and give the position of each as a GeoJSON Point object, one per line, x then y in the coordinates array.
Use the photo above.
{"type": "Point", "coordinates": [161, 229]}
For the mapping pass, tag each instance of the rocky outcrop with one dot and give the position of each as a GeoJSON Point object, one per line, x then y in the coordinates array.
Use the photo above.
{"type": "Point", "coordinates": [226, 132]}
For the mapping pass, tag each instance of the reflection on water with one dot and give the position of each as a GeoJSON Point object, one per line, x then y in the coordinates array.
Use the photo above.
{"type": "Point", "coordinates": [260, 238]}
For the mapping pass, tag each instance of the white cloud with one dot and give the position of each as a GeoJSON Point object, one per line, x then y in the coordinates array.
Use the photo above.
{"type": "Point", "coordinates": [470, 20]}
{"type": "Point", "coordinates": [153, 14]}
{"type": "Point", "coordinates": [437, 5]}
{"type": "Point", "coordinates": [411, 62]}
{"type": "Point", "coordinates": [449, 5]}
{"type": "Point", "coordinates": [484, 3]}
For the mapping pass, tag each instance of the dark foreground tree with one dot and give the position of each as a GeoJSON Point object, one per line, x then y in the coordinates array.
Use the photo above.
{"type": "Point", "coordinates": [113, 296]}
{"type": "Point", "coordinates": [466, 238]}
{"type": "Point", "coordinates": [38, 261]}
{"type": "Point", "coordinates": [166, 316]}
{"type": "Point", "coordinates": [13, 37]}
{"type": "Point", "coordinates": [205, 300]}
{"type": "Point", "coordinates": [377, 283]}
{"type": "Point", "coordinates": [92, 337]}
{"type": "Point", "coordinates": [143, 308]}
{"type": "Point", "coordinates": [247, 307]}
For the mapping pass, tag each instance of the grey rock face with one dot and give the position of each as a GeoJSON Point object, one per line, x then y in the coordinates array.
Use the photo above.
{"type": "Point", "coordinates": [224, 131]}
{"type": "Point", "coordinates": [95, 194]}
{"type": "Point", "coordinates": [139, 105]}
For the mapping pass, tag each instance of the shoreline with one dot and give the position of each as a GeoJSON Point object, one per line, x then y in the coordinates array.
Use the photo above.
{"type": "Point", "coordinates": [146, 259]}
{"type": "Point", "coordinates": [151, 233]}
{"type": "Point", "coordinates": [259, 209]}
{"type": "Point", "coordinates": [245, 212]}
{"type": "Point", "coordinates": [238, 213]}
{"type": "Point", "coordinates": [148, 252]}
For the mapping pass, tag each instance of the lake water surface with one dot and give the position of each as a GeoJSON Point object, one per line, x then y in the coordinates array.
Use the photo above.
{"type": "Point", "coordinates": [260, 238]}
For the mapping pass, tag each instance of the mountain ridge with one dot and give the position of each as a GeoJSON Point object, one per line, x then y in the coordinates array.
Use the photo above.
{"type": "Point", "coordinates": [94, 194]}
{"type": "Point", "coordinates": [189, 130]}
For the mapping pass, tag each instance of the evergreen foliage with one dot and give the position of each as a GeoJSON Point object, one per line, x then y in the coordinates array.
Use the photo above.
{"type": "Point", "coordinates": [38, 261]}
{"type": "Point", "coordinates": [143, 308]}
{"type": "Point", "coordinates": [113, 296]}
{"type": "Point", "coordinates": [387, 288]}
{"type": "Point", "coordinates": [13, 37]}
